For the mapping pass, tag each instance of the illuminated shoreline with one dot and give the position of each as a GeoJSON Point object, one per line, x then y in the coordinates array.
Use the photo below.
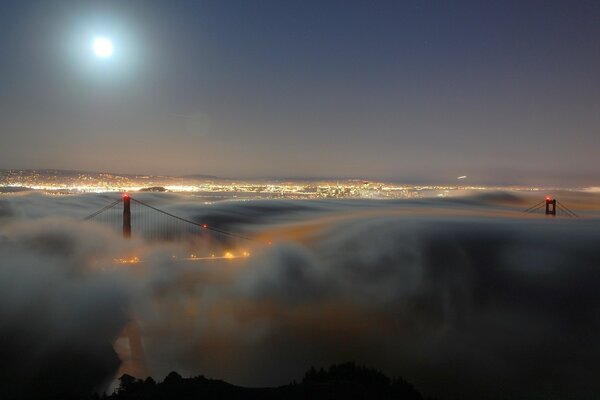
{"type": "Point", "coordinates": [66, 182]}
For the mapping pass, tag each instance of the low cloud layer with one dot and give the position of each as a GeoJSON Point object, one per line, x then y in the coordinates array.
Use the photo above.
{"type": "Point", "coordinates": [465, 298]}
{"type": "Point", "coordinates": [59, 316]}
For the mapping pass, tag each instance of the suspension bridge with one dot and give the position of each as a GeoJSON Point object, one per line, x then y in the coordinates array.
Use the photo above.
{"type": "Point", "coordinates": [552, 207]}
{"type": "Point", "coordinates": [140, 219]}
{"type": "Point", "coordinates": [133, 216]}
{"type": "Point", "coordinates": [136, 217]}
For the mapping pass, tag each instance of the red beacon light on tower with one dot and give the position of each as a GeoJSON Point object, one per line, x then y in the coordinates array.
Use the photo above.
{"type": "Point", "coordinates": [125, 195]}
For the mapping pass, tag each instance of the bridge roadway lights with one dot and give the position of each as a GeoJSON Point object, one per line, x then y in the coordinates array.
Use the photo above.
{"type": "Point", "coordinates": [126, 216]}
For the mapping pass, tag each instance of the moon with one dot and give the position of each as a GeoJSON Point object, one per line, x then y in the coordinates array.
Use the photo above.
{"type": "Point", "coordinates": [102, 47]}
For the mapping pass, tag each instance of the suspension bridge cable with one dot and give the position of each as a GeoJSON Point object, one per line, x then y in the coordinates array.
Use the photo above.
{"type": "Point", "coordinates": [204, 226]}
{"type": "Point", "coordinates": [100, 211]}
{"type": "Point", "coordinates": [535, 207]}
{"type": "Point", "coordinates": [532, 210]}
{"type": "Point", "coordinates": [566, 210]}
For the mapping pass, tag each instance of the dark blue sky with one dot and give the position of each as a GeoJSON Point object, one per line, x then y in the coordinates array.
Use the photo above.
{"type": "Point", "coordinates": [504, 92]}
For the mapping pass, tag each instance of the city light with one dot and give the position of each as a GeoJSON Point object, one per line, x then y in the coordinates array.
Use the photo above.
{"type": "Point", "coordinates": [227, 255]}
{"type": "Point", "coordinates": [73, 183]}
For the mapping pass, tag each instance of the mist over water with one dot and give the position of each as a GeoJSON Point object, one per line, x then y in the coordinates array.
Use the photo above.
{"type": "Point", "coordinates": [465, 297]}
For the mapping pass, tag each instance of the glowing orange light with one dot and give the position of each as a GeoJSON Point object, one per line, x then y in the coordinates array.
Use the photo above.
{"type": "Point", "coordinates": [131, 260]}
{"type": "Point", "coordinates": [205, 226]}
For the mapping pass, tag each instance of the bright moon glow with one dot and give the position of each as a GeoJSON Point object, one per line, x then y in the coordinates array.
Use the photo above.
{"type": "Point", "coordinates": [102, 47]}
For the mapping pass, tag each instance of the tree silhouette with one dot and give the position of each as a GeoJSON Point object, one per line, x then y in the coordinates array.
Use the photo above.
{"type": "Point", "coordinates": [341, 381]}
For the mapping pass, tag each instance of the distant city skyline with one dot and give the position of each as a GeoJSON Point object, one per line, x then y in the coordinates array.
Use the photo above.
{"type": "Point", "coordinates": [407, 91]}
{"type": "Point", "coordinates": [73, 181]}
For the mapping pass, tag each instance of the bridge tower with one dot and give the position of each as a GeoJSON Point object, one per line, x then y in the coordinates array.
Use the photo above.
{"type": "Point", "coordinates": [126, 216]}
{"type": "Point", "coordinates": [550, 206]}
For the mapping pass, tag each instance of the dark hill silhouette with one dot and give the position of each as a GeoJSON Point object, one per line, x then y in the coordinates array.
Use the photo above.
{"type": "Point", "coordinates": [344, 381]}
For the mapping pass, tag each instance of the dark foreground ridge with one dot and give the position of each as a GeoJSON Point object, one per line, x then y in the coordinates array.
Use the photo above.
{"type": "Point", "coordinates": [344, 381]}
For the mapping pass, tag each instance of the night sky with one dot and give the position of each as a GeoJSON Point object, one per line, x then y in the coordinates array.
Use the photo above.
{"type": "Point", "coordinates": [417, 91]}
